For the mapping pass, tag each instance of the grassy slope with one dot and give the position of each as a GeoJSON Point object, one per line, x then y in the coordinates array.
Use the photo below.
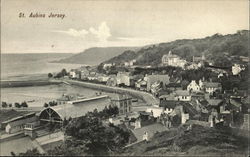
{"type": "Point", "coordinates": [213, 47]}
{"type": "Point", "coordinates": [199, 141]}
{"type": "Point", "coordinates": [96, 55]}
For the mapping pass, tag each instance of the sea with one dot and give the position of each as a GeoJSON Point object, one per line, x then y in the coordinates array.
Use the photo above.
{"type": "Point", "coordinates": [16, 66]}
{"type": "Point", "coordinates": [32, 67]}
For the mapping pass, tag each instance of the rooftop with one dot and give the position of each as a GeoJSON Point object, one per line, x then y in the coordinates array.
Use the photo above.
{"type": "Point", "coordinates": [182, 92]}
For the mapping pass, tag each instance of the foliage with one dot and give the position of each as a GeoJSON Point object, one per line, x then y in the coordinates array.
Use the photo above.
{"type": "Point", "coordinates": [50, 75]}
{"type": "Point", "coordinates": [97, 138]}
{"type": "Point", "coordinates": [4, 104]}
{"type": "Point", "coordinates": [62, 73]}
{"type": "Point", "coordinates": [52, 103]}
{"type": "Point", "coordinates": [24, 104]}
{"type": "Point", "coordinates": [213, 47]}
{"type": "Point", "coordinates": [17, 105]}
{"type": "Point", "coordinates": [31, 152]}
{"type": "Point", "coordinates": [46, 105]}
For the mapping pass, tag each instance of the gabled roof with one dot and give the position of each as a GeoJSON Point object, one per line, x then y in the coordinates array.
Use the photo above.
{"type": "Point", "coordinates": [182, 93]}
{"type": "Point", "coordinates": [6, 115]}
{"type": "Point", "coordinates": [168, 104]}
{"type": "Point", "coordinates": [214, 102]}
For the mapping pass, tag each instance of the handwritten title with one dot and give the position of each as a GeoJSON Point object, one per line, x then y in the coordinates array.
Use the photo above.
{"type": "Point", "coordinates": [51, 15]}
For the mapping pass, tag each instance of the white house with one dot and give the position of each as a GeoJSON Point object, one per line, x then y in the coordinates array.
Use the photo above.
{"type": "Point", "coordinates": [211, 87]}
{"type": "Point", "coordinates": [182, 95]}
{"type": "Point", "coordinates": [157, 111]}
{"type": "Point", "coordinates": [184, 117]}
{"type": "Point", "coordinates": [193, 87]}
{"type": "Point", "coordinates": [123, 78]}
{"type": "Point", "coordinates": [236, 69]}
{"type": "Point", "coordinates": [72, 74]}
{"type": "Point", "coordinates": [173, 60]}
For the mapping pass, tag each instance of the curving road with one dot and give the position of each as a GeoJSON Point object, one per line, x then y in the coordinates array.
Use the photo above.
{"type": "Point", "coordinates": [147, 97]}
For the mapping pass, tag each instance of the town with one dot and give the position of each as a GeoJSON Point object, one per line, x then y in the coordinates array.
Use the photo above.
{"type": "Point", "coordinates": [174, 93]}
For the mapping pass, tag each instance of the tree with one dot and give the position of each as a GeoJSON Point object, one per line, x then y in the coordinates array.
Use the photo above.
{"type": "Point", "coordinates": [64, 72]}
{"type": "Point", "coordinates": [46, 105]}
{"type": "Point", "coordinates": [31, 152]}
{"type": "Point", "coordinates": [24, 104]}
{"type": "Point", "coordinates": [17, 105]}
{"type": "Point", "coordinates": [4, 104]}
{"type": "Point", "coordinates": [50, 75]}
{"type": "Point", "coordinates": [96, 137]}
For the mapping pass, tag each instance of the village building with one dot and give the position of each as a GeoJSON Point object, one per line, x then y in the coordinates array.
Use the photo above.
{"type": "Point", "coordinates": [103, 78]}
{"type": "Point", "coordinates": [141, 84]}
{"type": "Point", "coordinates": [211, 87]}
{"type": "Point", "coordinates": [193, 87]}
{"type": "Point", "coordinates": [237, 68]}
{"type": "Point", "coordinates": [16, 124]}
{"type": "Point", "coordinates": [123, 102]}
{"type": "Point", "coordinates": [123, 78]}
{"type": "Point", "coordinates": [151, 79]}
{"type": "Point", "coordinates": [107, 65]}
{"type": "Point", "coordinates": [173, 60]}
{"type": "Point", "coordinates": [156, 111]}
{"type": "Point", "coordinates": [182, 95]}
{"type": "Point", "coordinates": [112, 81]}
{"type": "Point", "coordinates": [73, 109]}
{"type": "Point", "coordinates": [199, 59]}
{"type": "Point", "coordinates": [129, 63]}
{"type": "Point", "coordinates": [72, 73]}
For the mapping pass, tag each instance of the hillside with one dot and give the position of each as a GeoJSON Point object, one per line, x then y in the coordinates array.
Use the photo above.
{"type": "Point", "coordinates": [198, 141]}
{"type": "Point", "coordinates": [96, 55]}
{"type": "Point", "coordinates": [213, 47]}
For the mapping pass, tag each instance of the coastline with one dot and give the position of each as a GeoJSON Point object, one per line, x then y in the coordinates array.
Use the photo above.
{"type": "Point", "coordinates": [146, 97]}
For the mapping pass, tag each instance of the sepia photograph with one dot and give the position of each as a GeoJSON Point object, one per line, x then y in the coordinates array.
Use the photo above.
{"type": "Point", "coordinates": [124, 78]}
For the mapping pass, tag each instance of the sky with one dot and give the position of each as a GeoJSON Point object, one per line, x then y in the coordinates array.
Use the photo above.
{"type": "Point", "coordinates": [101, 23]}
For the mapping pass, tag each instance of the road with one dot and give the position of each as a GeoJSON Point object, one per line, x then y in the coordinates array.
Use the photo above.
{"type": "Point", "coordinates": [147, 97]}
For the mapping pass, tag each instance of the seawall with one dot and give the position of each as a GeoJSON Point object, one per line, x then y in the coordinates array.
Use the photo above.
{"type": "Point", "coordinates": [146, 97]}
{"type": "Point", "coordinates": [9, 84]}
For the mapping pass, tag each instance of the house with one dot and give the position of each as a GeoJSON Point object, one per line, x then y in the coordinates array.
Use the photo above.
{"type": "Point", "coordinates": [182, 95]}
{"type": "Point", "coordinates": [17, 124]}
{"type": "Point", "coordinates": [72, 74]}
{"type": "Point", "coordinates": [190, 66]}
{"type": "Point", "coordinates": [129, 63]}
{"type": "Point", "coordinates": [211, 87]}
{"type": "Point", "coordinates": [156, 111]}
{"type": "Point", "coordinates": [123, 102]}
{"type": "Point", "coordinates": [103, 78]}
{"type": "Point", "coordinates": [112, 81]}
{"type": "Point", "coordinates": [237, 68]}
{"type": "Point", "coordinates": [168, 105]}
{"type": "Point", "coordinates": [173, 60]}
{"type": "Point", "coordinates": [141, 85]}
{"type": "Point", "coordinates": [151, 79]}
{"type": "Point", "coordinates": [193, 87]}
{"type": "Point", "coordinates": [156, 87]}
{"type": "Point", "coordinates": [199, 59]}
{"type": "Point", "coordinates": [172, 86]}
{"type": "Point", "coordinates": [84, 72]}
{"type": "Point", "coordinates": [123, 78]}
{"type": "Point", "coordinates": [107, 65]}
